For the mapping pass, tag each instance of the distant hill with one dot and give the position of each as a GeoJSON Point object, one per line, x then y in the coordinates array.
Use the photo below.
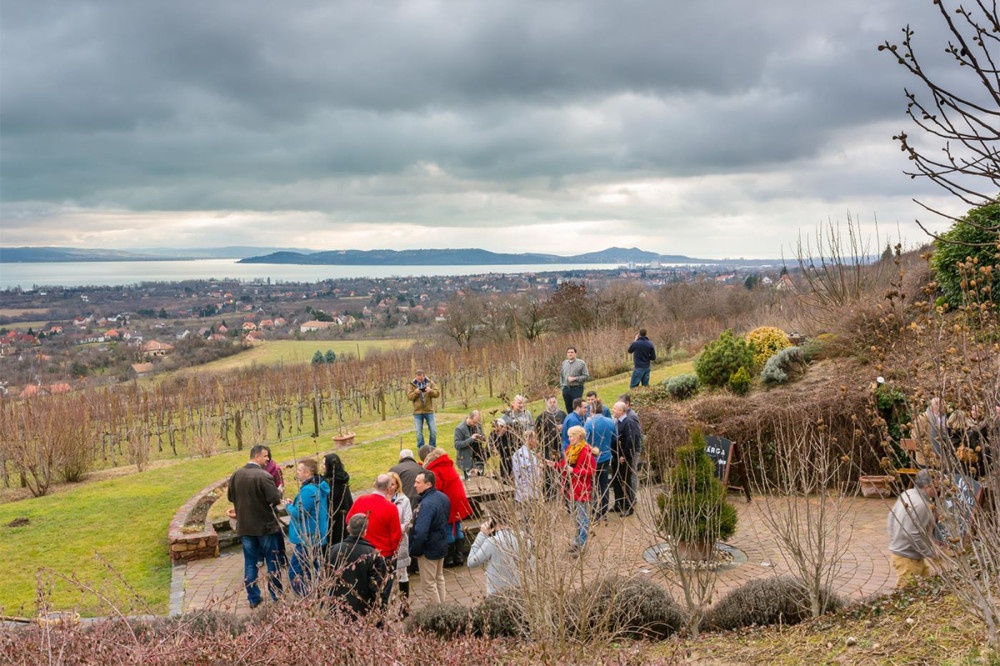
{"type": "Point", "coordinates": [228, 252]}
{"type": "Point", "coordinates": [15, 255]}
{"type": "Point", "coordinates": [465, 257]}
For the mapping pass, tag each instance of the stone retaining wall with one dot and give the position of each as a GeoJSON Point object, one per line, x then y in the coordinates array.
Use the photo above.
{"type": "Point", "coordinates": [187, 545]}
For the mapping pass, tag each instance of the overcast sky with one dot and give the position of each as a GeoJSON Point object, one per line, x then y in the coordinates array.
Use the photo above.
{"type": "Point", "coordinates": [717, 128]}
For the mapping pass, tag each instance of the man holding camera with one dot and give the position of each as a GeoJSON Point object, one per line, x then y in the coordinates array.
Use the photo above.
{"type": "Point", "coordinates": [469, 441]}
{"type": "Point", "coordinates": [421, 393]}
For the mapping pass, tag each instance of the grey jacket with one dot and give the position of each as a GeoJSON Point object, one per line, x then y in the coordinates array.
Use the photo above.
{"type": "Point", "coordinates": [576, 368]}
{"type": "Point", "coordinates": [469, 451]}
{"type": "Point", "coordinates": [910, 525]}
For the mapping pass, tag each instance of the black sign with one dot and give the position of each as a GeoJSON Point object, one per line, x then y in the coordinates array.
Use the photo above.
{"type": "Point", "coordinates": [720, 450]}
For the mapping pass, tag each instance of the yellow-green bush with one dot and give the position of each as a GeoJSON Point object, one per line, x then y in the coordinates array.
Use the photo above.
{"type": "Point", "coordinates": [767, 341]}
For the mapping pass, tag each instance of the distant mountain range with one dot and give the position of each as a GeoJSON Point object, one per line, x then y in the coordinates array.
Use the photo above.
{"type": "Point", "coordinates": [467, 257]}
{"type": "Point", "coordinates": [430, 257]}
{"type": "Point", "coordinates": [14, 255]}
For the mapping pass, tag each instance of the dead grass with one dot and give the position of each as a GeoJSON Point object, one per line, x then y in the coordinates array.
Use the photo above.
{"type": "Point", "coordinates": [923, 625]}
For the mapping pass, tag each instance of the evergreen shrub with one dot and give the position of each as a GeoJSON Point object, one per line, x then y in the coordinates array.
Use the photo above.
{"type": "Point", "coordinates": [767, 341]}
{"type": "Point", "coordinates": [739, 382]}
{"type": "Point", "coordinates": [681, 386]}
{"type": "Point", "coordinates": [696, 509]}
{"type": "Point", "coordinates": [723, 357]}
{"type": "Point", "coordinates": [784, 365]}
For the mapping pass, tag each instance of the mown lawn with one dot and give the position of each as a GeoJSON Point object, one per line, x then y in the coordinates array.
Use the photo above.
{"type": "Point", "coordinates": [125, 519]}
{"type": "Point", "coordinates": [299, 351]}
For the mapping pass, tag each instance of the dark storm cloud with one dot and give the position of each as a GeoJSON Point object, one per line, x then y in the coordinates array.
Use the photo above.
{"type": "Point", "coordinates": [329, 106]}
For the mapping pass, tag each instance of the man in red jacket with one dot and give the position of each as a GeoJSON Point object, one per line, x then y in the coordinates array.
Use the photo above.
{"type": "Point", "coordinates": [384, 532]}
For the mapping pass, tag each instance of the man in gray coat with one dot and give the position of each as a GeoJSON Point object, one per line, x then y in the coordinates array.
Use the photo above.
{"type": "Point", "coordinates": [469, 445]}
{"type": "Point", "coordinates": [911, 528]}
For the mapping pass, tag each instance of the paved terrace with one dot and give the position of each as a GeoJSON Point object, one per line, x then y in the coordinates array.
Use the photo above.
{"type": "Point", "coordinates": [865, 570]}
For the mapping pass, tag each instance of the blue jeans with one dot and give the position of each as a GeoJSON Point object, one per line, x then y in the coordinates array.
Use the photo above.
{"type": "Point", "coordinates": [582, 522]}
{"type": "Point", "coordinates": [603, 487]}
{"type": "Point", "coordinates": [418, 425]}
{"type": "Point", "coordinates": [303, 567]}
{"type": "Point", "coordinates": [255, 549]}
{"type": "Point", "coordinates": [639, 375]}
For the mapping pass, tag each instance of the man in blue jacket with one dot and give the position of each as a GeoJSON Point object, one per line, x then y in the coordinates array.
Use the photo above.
{"type": "Point", "coordinates": [601, 434]}
{"type": "Point", "coordinates": [429, 538]}
{"type": "Point", "coordinates": [576, 417]}
{"type": "Point", "coordinates": [643, 352]}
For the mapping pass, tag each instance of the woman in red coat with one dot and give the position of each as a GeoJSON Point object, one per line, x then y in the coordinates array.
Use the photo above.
{"type": "Point", "coordinates": [578, 468]}
{"type": "Point", "coordinates": [436, 460]}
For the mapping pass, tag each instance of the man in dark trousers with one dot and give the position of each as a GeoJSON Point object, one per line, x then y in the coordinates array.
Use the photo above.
{"type": "Point", "coordinates": [358, 569]}
{"type": "Point", "coordinates": [548, 425]}
{"type": "Point", "coordinates": [643, 352]}
{"type": "Point", "coordinates": [623, 460]}
{"type": "Point", "coordinates": [254, 497]}
{"type": "Point", "coordinates": [429, 538]}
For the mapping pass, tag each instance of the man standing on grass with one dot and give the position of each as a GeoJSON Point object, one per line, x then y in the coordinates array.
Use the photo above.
{"type": "Point", "coordinates": [421, 393]}
{"type": "Point", "coordinates": [254, 497]}
{"type": "Point", "coordinates": [911, 527]}
{"type": "Point", "coordinates": [643, 352]}
{"type": "Point", "coordinates": [572, 377]}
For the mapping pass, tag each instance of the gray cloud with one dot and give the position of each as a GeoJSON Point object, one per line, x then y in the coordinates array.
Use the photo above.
{"type": "Point", "coordinates": [444, 115]}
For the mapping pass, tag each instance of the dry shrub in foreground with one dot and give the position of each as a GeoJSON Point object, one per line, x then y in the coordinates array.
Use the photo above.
{"type": "Point", "coordinates": [293, 632]}
{"type": "Point", "coordinates": [764, 601]}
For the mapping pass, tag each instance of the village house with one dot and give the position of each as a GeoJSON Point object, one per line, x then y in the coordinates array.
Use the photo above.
{"type": "Point", "coordinates": [140, 370]}
{"type": "Point", "coordinates": [156, 348]}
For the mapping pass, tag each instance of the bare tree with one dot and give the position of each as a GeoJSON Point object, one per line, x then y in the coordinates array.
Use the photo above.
{"type": "Point", "coordinates": [804, 496]}
{"type": "Point", "coordinates": [464, 319]}
{"type": "Point", "coordinates": [963, 119]}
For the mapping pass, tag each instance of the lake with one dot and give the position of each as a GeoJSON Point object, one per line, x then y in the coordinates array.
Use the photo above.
{"type": "Point", "coordinates": [100, 273]}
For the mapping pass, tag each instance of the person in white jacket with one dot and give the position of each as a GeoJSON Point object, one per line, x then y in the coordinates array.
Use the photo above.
{"type": "Point", "coordinates": [497, 548]}
{"type": "Point", "coordinates": [402, 503]}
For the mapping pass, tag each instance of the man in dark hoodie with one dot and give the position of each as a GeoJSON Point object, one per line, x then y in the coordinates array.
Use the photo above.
{"type": "Point", "coordinates": [359, 571]}
{"type": "Point", "coordinates": [254, 497]}
{"type": "Point", "coordinates": [643, 352]}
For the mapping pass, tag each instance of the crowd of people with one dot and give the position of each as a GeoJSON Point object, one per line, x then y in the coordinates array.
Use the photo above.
{"type": "Point", "coordinates": [367, 546]}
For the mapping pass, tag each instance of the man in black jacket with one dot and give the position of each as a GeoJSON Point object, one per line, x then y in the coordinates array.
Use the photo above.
{"type": "Point", "coordinates": [643, 352]}
{"type": "Point", "coordinates": [548, 426]}
{"type": "Point", "coordinates": [625, 450]}
{"type": "Point", "coordinates": [408, 468]}
{"type": "Point", "coordinates": [358, 569]}
{"type": "Point", "coordinates": [254, 497]}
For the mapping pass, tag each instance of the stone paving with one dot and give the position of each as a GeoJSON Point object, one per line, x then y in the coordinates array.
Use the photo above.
{"type": "Point", "coordinates": [865, 570]}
